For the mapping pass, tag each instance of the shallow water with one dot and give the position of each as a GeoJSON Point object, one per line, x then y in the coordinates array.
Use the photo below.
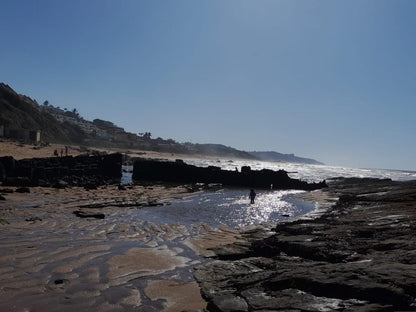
{"type": "Point", "coordinates": [229, 207]}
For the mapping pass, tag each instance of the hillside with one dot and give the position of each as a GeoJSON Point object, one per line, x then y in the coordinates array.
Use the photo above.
{"type": "Point", "coordinates": [21, 112]}
{"type": "Point", "coordinates": [65, 126]}
{"type": "Point", "coordinates": [275, 156]}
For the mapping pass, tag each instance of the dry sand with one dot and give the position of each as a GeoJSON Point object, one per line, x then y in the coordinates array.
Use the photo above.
{"type": "Point", "coordinates": [52, 260]}
{"type": "Point", "coordinates": [20, 151]}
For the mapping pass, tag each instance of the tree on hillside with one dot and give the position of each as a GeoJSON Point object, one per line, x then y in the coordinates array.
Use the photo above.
{"type": "Point", "coordinates": [76, 114]}
{"type": "Point", "coordinates": [147, 135]}
{"type": "Point", "coordinates": [46, 103]}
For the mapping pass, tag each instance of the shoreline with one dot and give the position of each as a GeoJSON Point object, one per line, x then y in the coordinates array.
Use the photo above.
{"type": "Point", "coordinates": [52, 259]}
{"type": "Point", "coordinates": [357, 256]}
{"type": "Point", "coordinates": [55, 259]}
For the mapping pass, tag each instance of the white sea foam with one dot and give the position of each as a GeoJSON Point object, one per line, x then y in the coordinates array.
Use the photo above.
{"type": "Point", "coordinates": [306, 172]}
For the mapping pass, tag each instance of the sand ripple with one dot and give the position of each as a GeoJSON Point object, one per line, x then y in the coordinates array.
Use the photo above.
{"type": "Point", "coordinates": [51, 260]}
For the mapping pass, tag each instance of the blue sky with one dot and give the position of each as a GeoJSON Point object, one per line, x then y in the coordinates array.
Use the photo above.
{"type": "Point", "coordinates": [330, 80]}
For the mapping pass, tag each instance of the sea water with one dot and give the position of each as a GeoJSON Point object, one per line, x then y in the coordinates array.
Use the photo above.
{"type": "Point", "coordinates": [308, 172]}
{"type": "Point", "coordinates": [231, 206]}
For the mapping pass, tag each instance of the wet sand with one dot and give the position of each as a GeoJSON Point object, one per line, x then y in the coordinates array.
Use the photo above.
{"type": "Point", "coordinates": [52, 260]}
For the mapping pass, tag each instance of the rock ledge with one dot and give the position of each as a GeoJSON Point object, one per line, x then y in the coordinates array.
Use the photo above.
{"type": "Point", "coordinates": [360, 255]}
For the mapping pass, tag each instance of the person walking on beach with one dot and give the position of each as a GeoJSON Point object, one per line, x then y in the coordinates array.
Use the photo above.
{"type": "Point", "coordinates": [252, 196]}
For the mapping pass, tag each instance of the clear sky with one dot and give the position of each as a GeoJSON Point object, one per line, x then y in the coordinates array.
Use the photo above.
{"type": "Point", "coordinates": [330, 80]}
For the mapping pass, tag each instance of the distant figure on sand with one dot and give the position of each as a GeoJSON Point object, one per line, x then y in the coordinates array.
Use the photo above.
{"type": "Point", "coordinates": [252, 196]}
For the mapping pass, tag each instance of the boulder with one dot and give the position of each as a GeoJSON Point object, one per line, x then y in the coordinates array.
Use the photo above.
{"type": "Point", "coordinates": [23, 190]}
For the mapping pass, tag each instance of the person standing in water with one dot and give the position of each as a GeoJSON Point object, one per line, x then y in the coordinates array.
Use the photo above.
{"type": "Point", "coordinates": [252, 196]}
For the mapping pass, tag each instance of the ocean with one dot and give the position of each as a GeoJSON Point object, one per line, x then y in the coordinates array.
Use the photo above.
{"type": "Point", "coordinates": [231, 206]}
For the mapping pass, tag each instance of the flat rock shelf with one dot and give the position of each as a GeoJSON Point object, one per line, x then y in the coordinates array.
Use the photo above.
{"type": "Point", "coordinates": [359, 255]}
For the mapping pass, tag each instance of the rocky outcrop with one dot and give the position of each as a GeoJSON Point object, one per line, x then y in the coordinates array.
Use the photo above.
{"type": "Point", "coordinates": [60, 172]}
{"type": "Point", "coordinates": [178, 171]}
{"type": "Point", "coordinates": [358, 256]}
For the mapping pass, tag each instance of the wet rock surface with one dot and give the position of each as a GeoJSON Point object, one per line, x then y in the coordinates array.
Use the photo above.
{"type": "Point", "coordinates": [359, 255]}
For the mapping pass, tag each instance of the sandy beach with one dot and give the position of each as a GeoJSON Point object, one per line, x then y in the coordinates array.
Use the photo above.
{"type": "Point", "coordinates": [21, 151]}
{"type": "Point", "coordinates": [53, 260]}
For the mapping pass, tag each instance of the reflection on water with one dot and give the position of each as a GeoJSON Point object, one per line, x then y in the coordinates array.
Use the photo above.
{"type": "Point", "coordinates": [229, 207]}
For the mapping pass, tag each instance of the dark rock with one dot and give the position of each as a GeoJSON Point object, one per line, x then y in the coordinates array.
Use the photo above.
{"type": "Point", "coordinates": [33, 219]}
{"type": "Point", "coordinates": [3, 222]}
{"type": "Point", "coordinates": [178, 171]}
{"type": "Point", "coordinates": [233, 251]}
{"type": "Point", "coordinates": [78, 171]}
{"type": "Point", "coordinates": [6, 191]}
{"type": "Point", "coordinates": [61, 281]}
{"type": "Point", "coordinates": [155, 203]}
{"type": "Point", "coordinates": [7, 165]}
{"type": "Point", "coordinates": [358, 256]}
{"type": "Point", "coordinates": [122, 187]}
{"type": "Point", "coordinates": [228, 302]}
{"type": "Point", "coordinates": [2, 172]}
{"type": "Point", "coordinates": [17, 181]}
{"type": "Point", "coordinates": [2, 197]}
{"type": "Point", "coordinates": [83, 214]}
{"type": "Point", "coordinates": [23, 190]}
{"type": "Point", "coordinates": [61, 184]}
{"type": "Point", "coordinates": [90, 186]}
